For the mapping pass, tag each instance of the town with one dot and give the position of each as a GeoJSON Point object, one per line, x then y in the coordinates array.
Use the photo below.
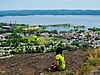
{"type": "Point", "coordinates": [25, 39]}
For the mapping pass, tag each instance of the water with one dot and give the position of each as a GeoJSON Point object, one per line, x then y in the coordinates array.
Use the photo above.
{"type": "Point", "coordinates": [87, 20]}
{"type": "Point", "coordinates": [58, 28]}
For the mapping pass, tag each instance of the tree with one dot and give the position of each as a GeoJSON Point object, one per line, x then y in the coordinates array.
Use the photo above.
{"type": "Point", "coordinates": [54, 31]}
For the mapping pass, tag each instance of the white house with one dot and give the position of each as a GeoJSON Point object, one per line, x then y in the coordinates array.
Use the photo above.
{"type": "Point", "coordinates": [2, 37]}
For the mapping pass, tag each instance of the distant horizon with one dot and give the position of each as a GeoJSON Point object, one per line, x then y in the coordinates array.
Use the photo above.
{"type": "Point", "coordinates": [45, 9]}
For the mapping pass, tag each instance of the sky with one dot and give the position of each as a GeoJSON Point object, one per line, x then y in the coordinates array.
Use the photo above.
{"type": "Point", "coordinates": [49, 4]}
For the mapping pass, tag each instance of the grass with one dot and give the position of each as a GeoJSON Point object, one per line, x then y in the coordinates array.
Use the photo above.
{"type": "Point", "coordinates": [94, 54]}
{"type": "Point", "coordinates": [40, 40]}
{"type": "Point", "coordinates": [93, 57]}
{"type": "Point", "coordinates": [36, 38]}
{"type": "Point", "coordinates": [92, 63]}
{"type": "Point", "coordinates": [32, 28]}
{"type": "Point", "coordinates": [69, 73]}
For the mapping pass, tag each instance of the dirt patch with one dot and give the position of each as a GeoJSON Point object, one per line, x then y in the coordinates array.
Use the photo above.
{"type": "Point", "coordinates": [36, 64]}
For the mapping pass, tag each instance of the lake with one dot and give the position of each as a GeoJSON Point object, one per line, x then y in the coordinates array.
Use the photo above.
{"type": "Point", "coordinates": [87, 20]}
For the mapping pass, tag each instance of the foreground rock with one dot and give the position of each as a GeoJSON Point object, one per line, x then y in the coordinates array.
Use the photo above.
{"type": "Point", "coordinates": [37, 64]}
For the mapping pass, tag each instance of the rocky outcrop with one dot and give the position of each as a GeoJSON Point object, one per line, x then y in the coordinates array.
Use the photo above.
{"type": "Point", "coordinates": [37, 64]}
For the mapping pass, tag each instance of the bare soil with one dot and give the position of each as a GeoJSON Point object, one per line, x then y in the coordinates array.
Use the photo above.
{"type": "Point", "coordinates": [37, 64]}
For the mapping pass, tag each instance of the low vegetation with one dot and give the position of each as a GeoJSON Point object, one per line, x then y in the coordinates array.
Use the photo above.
{"type": "Point", "coordinates": [92, 64]}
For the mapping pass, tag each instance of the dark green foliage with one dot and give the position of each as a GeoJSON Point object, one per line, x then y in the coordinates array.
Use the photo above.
{"type": "Point", "coordinates": [94, 29]}
{"type": "Point", "coordinates": [13, 52]}
{"type": "Point", "coordinates": [97, 38]}
{"type": "Point", "coordinates": [54, 32]}
{"type": "Point", "coordinates": [76, 43]}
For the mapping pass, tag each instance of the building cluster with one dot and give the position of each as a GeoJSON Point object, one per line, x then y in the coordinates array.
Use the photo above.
{"type": "Point", "coordinates": [9, 26]}
{"type": "Point", "coordinates": [91, 38]}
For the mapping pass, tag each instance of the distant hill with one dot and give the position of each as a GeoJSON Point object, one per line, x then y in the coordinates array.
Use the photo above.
{"type": "Point", "coordinates": [48, 12]}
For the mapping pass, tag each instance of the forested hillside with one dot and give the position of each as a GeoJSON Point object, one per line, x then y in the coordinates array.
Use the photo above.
{"type": "Point", "coordinates": [48, 12]}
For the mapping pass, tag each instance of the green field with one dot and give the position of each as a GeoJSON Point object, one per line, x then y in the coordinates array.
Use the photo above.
{"type": "Point", "coordinates": [41, 40]}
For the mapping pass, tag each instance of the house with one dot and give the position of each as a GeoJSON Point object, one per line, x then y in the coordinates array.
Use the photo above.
{"type": "Point", "coordinates": [9, 26]}
{"type": "Point", "coordinates": [2, 37]}
{"type": "Point", "coordinates": [97, 43]}
{"type": "Point", "coordinates": [45, 34]}
{"type": "Point", "coordinates": [6, 28]}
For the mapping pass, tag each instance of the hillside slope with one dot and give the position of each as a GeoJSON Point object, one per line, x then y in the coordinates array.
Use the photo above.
{"type": "Point", "coordinates": [48, 12]}
{"type": "Point", "coordinates": [36, 64]}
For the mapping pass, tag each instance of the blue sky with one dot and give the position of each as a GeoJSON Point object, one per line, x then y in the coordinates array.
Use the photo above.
{"type": "Point", "coordinates": [49, 4]}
